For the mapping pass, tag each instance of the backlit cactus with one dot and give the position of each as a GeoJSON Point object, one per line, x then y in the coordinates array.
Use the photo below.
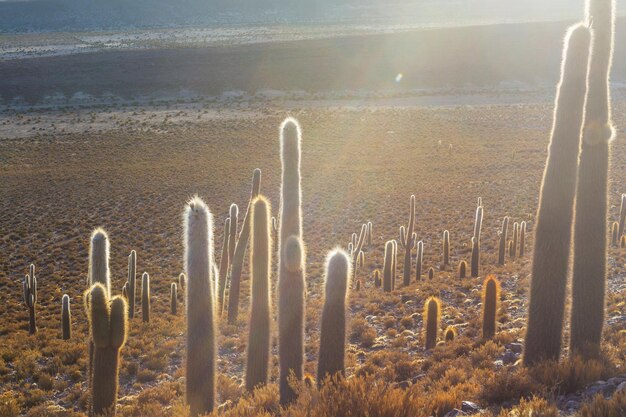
{"type": "Point", "coordinates": [449, 334]}
{"type": "Point", "coordinates": [223, 271]}
{"type": "Point", "coordinates": [30, 298]}
{"type": "Point", "coordinates": [370, 238]}
{"type": "Point", "coordinates": [513, 252]}
{"type": "Point", "coordinates": [407, 241]}
{"type": "Point", "coordinates": [387, 267]}
{"type": "Point", "coordinates": [173, 298]}
{"type": "Point", "coordinates": [478, 224]}
{"type": "Point", "coordinates": [260, 305]}
{"type": "Point", "coordinates": [131, 288]}
{"type": "Point", "coordinates": [522, 239]}
{"type": "Point", "coordinates": [357, 251]}
{"type": "Point", "coordinates": [475, 260]}
{"type": "Point", "coordinates": [291, 270]}
{"type": "Point", "coordinates": [377, 281]}
{"type": "Point", "coordinates": [431, 273]}
{"type": "Point", "coordinates": [99, 260]}
{"type": "Point", "coordinates": [333, 323]}
{"type": "Point", "coordinates": [491, 298]}
{"type": "Point", "coordinates": [446, 248]}
{"type": "Point", "coordinates": [615, 235]}
{"type": "Point", "coordinates": [622, 216]}
{"type": "Point", "coordinates": [552, 231]}
{"type": "Point", "coordinates": [462, 269]}
{"type": "Point", "coordinates": [145, 297]}
{"type": "Point", "coordinates": [66, 318]}
{"type": "Point", "coordinates": [502, 244]}
{"type": "Point", "coordinates": [394, 264]}
{"type": "Point", "coordinates": [419, 259]}
{"type": "Point", "coordinates": [590, 227]}
{"type": "Point", "coordinates": [432, 313]}
{"type": "Point", "coordinates": [108, 326]}
{"type": "Point", "coordinates": [201, 361]}
{"type": "Point", "coordinates": [240, 252]}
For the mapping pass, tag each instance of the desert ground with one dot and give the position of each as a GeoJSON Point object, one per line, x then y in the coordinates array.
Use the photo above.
{"type": "Point", "coordinates": [131, 167]}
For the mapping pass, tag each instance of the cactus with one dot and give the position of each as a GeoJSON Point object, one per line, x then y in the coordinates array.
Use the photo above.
{"type": "Point", "coordinates": [407, 241]}
{"type": "Point", "coordinates": [491, 297]}
{"type": "Point", "coordinates": [358, 285]}
{"type": "Point", "coordinates": [622, 217]}
{"type": "Point", "coordinates": [418, 261]}
{"type": "Point", "coordinates": [233, 213]}
{"type": "Point", "coordinates": [240, 252]}
{"type": "Point", "coordinates": [513, 252]}
{"type": "Point", "coordinates": [30, 298]}
{"type": "Point", "coordinates": [510, 246]}
{"type": "Point", "coordinates": [377, 282]}
{"type": "Point", "coordinates": [394, 264]}
{"type": "Point", "coordinates": [431, 273]}
{"type": "Point", "coordinates": [174, 298]}
{"type": "Point", "coordinates": [108, 325]}
{"type": "Point", "coordinates": [622, 242]}
{"type": "Point", "coordinates": [354, 240]}
{"type": "Point", "coordinates": [446, 248]}
{"type": "Point", "coordinates": [66, 317]}
{"type": "Point", "coordinates": [181, 282]}
{"type": "Point", "coordinates": [357, 250]}
{"type": "Point", "coordinates": [432, 313]}
{"type": "Point", "coordinates": [449, 334]}
{"type": "Point", "coordinates": [503, 240]}
{"type": "Point", "coordinates": [224, 263]}
{"type": "Point", "coordinates": [99, 260]}
{"type": "Point", "coordinates": [125, 291]}
{"type": "Point", "coordinates": [590, 228]}
{"type": "Point", "coordinates": [145, 297]}
{"type": "Point", "coordinates": [522, 239]}
{"type": "Point", "coordinates": [369, 234]}
{"type": "Point", "coordinates": [554, 215]}
{"type": "Point", "coordinates": [333, 323]}
{"type": "Point", "coordinates": [131, 288]}
{"type": "Point", "coordinates": [462, 269]}
{"type": "Point", "coordinates": [475, 261]}
{"type": "Point", "coordinates": [274, 229]}
{"type": "Point", "coordinates": [291, 271]}
{"type": "Point", "coordinates": [387, 267]}
{"type": "Point", "coordinates": [615, 235]}
{"type": "Point", "coordinates": [201, 328]}
{"type": "Point", "coordinates": [260, 310]}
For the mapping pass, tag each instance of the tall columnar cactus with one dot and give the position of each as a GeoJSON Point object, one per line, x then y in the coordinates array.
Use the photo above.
{"type": "Point", "coordinates": [522, 239]}
{"type": "Point", "coordinates": [291, 271]}
{"type": "Point", "coordinates": [590, 226]}
{"type": "Point", "coordinates": [446, 248]}
{"type": "Point", "coordinates": [387, 265]}
{"type": "Point", "coordinates": [370, 238]}
{"type": "Point", "coordinates": [475, 261]}
{"type": "Point", "coordinates": [274, 229]}
{"type": "Point", "coordinates": [201, 327]}
{"type": "Point", "coordinates": [407, 241]}
{"type": "Point", "coordinates": [554, 215]}
{"type": "Point", "coordinates": [224, 263]}
{"type": "Point", "coordinates": [513, 253]}
{"type": "Point", "coordinates": [491, 298]}
{"type": "Point", "coordinates": [66, 317]}
{"type": "Point", "coordinates": [615, 235]}
{"type": "Point", "coordinates": [132, 283]}
{"type": "Point", "coordinates": [99, 260]}
{"type": "Point", "coordinates": [357, 250]}
{"type": "Point", "coordinates": [233, 222]}
{"type": "Point", "coordinates": [419, 259]}
{"type": "Point", "coordinates": [145, 297]}
{"type": "Point", "coordinates": [174, 298]}
{"type": "Point", "coordinates": [260, 310]}
{"type": "Point", "coordinates": [240, 252]}
{"type": "Point", "coordinates": [30, 298]}
{"type": "Point", "coordinates": [108, 326]}
{"type": "Point", "coordinates": [462, 269]}
{"type": "Point", "coordinates": [503, 241]}
{"type": "Point", "coordinates": [333, 325]}
{"type": "Point", "coordinates": [394, 264]}
{"type": "Point", "coordinates": [432, 313]}
{"type": "Point", "coordinates": [622, 217]}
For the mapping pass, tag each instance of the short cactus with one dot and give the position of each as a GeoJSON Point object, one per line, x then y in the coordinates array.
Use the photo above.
{"type": "Point", "coordinates": [108, 325]}
{"type": "Point", "coordinates": [615, 235]}
{"type": "Point", "coordinates": [491, 298]}
{"type": "Point", "coordinates": [201, 328]}
{"type": "Point", "coordinates": [174, 298]}
{"type": "Point", "coordinates": [66, 317]}
{"type": "Point", "coordinates": [407, 241]}
{"type": "Point", "coordinates": [30, 298]}
{"type": "Point", "coordinates": [431, 273]}
{"type": "Point", "coordinates": [145, 297]}
{"type": "Point", "coordinates": [260, 305]}
{"type": "Point", "coordinates": [333, 323]}
{"type": "Point", "coordinates": [182, 281]}
{"type": "Point", "coordinates": [377, 281]}
{"type": "Point", "coordinates": [432, 313]}
{"type": "Point", "coordinates": [462, 269]}
{"type": "Point", "coordinates": [449, 334]}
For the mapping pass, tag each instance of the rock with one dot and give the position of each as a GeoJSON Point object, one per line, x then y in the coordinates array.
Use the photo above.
{"type": "Point", "coordinates": [515, 347]}
{"type": "Point", "coordinates": [417, 378]}
{"type": "Point", "coordinates": [470, 407]}
{"type": "Point", "coordinates": [509, 357]}
{"type": "Point", "coordinates": [621, 387]}
{"type": "Point", "coordinates": [455, 413]}
{"type": "Point", "coordinates": [572, 405]}
{"type": "Point", "coordinates": [377, 346]}
{"type": "Point", "coordinates": [599, 387]}
{"type": "Point", "coordinates": [498, 363]}
{"type": "Point", "coordinates": [403, 384]}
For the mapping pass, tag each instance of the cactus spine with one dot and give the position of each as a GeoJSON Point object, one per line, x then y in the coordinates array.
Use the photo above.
{"type": "Point", "coordinates": [145, 297]}
{"type": "Point", "coordinates": [554, 215]}
{"type": "Point", "coordinates": [491, 297]}
{"type": "Point", "coordinates": [99, 260]}
{"type": "Point", "coordinates": [291, 271]}
{"type": "Point", "coordinates": [432, 312]}
{"type": "Point", "coordinates": [173, 298]}
{"type": "Point", "coordinates": [224, 263]}
{"type": "Point", "coordinates": [590, 228]}
{"type": "Point", "coordinates": [260, 310]}
{"type": "Point", "coordinates": [462, 269]}
{"type": "Point", "coordinates": [132, 283]}
{"type": "Point", "coordinates": [66, 317]}
{"type": "Point", "coordinates": [503, 240]}
{"type": "Point", "coordinates": [108, 325]}
{"type": "Point", "coordinates": [522, 239]}
{"type": "Point", "coordinates": [333, 324]}
{"type": "Point", "coordinates": [240, 252]}
{"type": "Point", "coordinates": [407, 241]}
{"type": "Point", "coordinates": [418, 261]}
{"type": "Point", "coordinates": [201, 327]}
{"type": "Point", "coordinates": [30, 298]}
{"type": "Point", "coordinates": [446, 248]}
{"type": "Point", "coordinates": [478, 223]}
{"type": "Point", "coordinates": [387, 265]}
